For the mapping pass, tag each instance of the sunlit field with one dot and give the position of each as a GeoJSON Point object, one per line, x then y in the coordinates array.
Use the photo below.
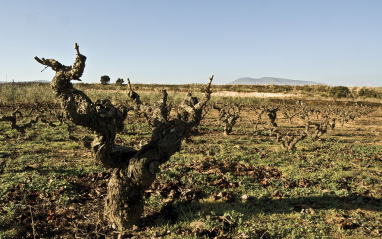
{"type": "Point", "coordinates": [249, 183]}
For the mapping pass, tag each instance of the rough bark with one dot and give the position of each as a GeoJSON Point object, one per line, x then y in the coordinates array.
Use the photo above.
{"type": "Point", "coordinates": [160, 111]}
{"type": "Point", "coordinates": [13, 120]}
{"type": "Point", "coordinates": [18, 114]}
{"type": "Point", "coordinates": [191, 109]}
{"type": "Point", "coordinates": [318, 128]}
{"type": "Point", "coordinates": [288, 140]}
{"type": "Point", "coordinates": [272, 115]}
{"type": "Point", "coordinates": [259, 111]}
{"type": "Point", "coordinates": [228, 115]}
{"type": "Point", "coordinates": [132, 171]}
{"type": "Point", "coordinates": [290, 112]}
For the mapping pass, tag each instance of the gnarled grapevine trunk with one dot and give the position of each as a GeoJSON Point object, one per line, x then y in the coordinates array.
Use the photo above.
{"type": "Point", "coordinates": [132, 171]}
{"type": "Point", "coordinates": [228, 115]}
{"type": "Point", "coordinates": [124, 202]}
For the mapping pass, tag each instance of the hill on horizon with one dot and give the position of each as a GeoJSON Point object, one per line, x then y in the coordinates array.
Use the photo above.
{"type": "Point", "coordinates": [270, 81]}
{"type": "Point", "coordinates": [16, 82]}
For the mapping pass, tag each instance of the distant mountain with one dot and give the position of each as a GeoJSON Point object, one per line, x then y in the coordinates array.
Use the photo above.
{"type": "Point", "coordinates": [36, 81]}
{"type": "Point", "coordinates": [270, 81]}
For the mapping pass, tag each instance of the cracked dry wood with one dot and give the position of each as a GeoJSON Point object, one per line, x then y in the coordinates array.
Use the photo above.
{"type": "Point", "coordinates": [132, 171]}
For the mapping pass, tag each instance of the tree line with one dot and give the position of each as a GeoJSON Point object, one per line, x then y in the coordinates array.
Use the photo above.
{"type": "Point", "coordinates": [105, 80]}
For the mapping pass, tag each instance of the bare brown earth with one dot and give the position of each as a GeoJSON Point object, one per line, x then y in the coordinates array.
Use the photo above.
{"type": "Point", "coordinates": [254, 94]}
{"type": "Point", "coordinates": [41, 215]}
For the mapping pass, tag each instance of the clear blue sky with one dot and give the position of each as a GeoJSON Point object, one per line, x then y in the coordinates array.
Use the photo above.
{"type": "Point", "coordinates": [336, 42]}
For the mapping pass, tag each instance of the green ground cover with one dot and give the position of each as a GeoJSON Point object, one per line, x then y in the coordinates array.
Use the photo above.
{"type": "Point", "coordinates": [238, 186]}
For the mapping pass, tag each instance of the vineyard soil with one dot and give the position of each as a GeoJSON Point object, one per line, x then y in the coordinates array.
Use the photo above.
{"type": "Point", "coordinates": [243, 185]}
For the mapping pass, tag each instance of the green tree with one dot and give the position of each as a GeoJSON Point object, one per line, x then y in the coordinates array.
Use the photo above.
{"type": "Point", "coordinates": [105, 80]}
{"type": "Point", "coordinates": [339, 91]}
{"type": "Point", "coordinates": [119, 81]}
{"type": "Point", "coordinates": [369, 93]}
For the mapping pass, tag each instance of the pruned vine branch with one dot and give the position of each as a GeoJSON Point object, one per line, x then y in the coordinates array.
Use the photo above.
{"type": "Point", "coordinates": [17, 114]}
{"type": "Point", "coordinates": [228, 116]}
{"type": "Point", "coordinates": [133, 171]}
